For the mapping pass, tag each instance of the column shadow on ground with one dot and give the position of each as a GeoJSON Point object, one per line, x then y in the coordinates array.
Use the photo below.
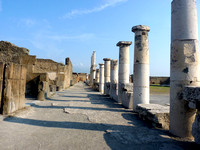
{"type": "Point", "coordinates": [57, 100]}
{"type": "Point", "coordinates": [117, 137]}
{"type": "Point", "coordinates": [76, 107]}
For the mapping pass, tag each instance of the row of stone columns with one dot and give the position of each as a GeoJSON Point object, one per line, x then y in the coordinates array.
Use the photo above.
{"type": "Point", "coordinates": [184, 68]}
{"type": "Point", "coordinates": [110, 75]}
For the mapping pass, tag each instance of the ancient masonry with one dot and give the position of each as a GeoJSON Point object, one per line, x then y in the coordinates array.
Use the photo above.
{"type": "Point", "coordinates": [141, 66]}
{"type": "Point", "coordinates": [182, 118]}
{"type": "Point", "coordinates": [23, 75]}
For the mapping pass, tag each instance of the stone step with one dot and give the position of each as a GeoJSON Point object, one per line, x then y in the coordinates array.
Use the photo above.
{"type": "Point", "coordinates": [157, 114]}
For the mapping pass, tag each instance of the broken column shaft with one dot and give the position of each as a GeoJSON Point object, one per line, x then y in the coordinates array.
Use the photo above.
{"type": "Point", "coordinates": [184, 64]}
{"type": "Point", "coordinates": [93, 68]}
{"type": "Point", "coordinates": [123, 65]}
{"type": "Point", "coordinates": [141, 66]}
{"type": "Point", "coordinates": [101, 81]}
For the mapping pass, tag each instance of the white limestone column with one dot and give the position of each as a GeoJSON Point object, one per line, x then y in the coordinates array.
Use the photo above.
{"type": "Point", "coordinates": [93, 68]}
{"type": "Point", "coordinates": [97, 75]}
{"type": "Point", "coordinates": [141, 66]}
{"type": "Point", "coordinates": [114, 71]}
{"type": "Point", "coordinates": [184, 69]}
{"type": "Point", "coordinates": [94, 65]}
{"type": "Point", "coordinates": [101, 81]}
{"type": "Point", "coordinates": [123, 65]}
{"type": "Point", "coordinates": [107, 69]}
{"type": "Point", "coordinates": [86, 76]}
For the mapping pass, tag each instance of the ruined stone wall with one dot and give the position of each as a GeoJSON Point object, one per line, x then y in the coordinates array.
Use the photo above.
{"type": "Point", "coordinates": [74, 78]}
{"type": "Point", "coordinates": [82, 77]}
{"type": "Point", "coordinates": [11, 53]}
{"type": "Point", "coordinates": [12, 87]}
{"type": "Point", "coordinates": [47, 65]}
{"type": "Point", "coordinates": [59, 75]}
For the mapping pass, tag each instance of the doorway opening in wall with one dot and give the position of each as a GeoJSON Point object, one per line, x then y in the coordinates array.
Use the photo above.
{"type": "Point", "coordinates": [2, 89]}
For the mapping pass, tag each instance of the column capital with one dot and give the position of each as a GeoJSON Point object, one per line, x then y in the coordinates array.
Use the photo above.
{"type": "Point", "coordinates": [106, 59]}
{"type": "Point", "coordinates": [101, 64]}
{"type": "Point", "coordinates": [140, 28]}
{"type": "Point", "coordinates": [124, 43]}
{"type": "Point", "coordinates": [115, 60]}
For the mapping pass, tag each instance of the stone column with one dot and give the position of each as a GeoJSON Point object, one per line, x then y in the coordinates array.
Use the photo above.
{"type": "Point", "coordinates": [97, 75]}
{"type": "Point", "coordinates": [123, 65]}
{"type": "Point", "coordinates": [86, 76]}
{"type": "Point", "coordinates": [141, 66]}
{"type": "Point", "coordinates": [114, 80]}
{"type": "Point", "coordinates": [101, 81]}
{"type": "Point", "coordinates": [93, 68]}
{"type": "Point", "coordinates": [107, 76]}
{"type": "Point", "coordinates": [184, 64]}
{"type": "Point", "coordinates": [114, 71]}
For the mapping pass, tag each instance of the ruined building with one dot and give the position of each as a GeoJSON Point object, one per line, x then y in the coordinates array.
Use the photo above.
{"type": "Point", "coordinates": [23, 74]}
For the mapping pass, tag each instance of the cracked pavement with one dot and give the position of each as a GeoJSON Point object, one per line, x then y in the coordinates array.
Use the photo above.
{"type": "Point", "coordinates": [80, 118]}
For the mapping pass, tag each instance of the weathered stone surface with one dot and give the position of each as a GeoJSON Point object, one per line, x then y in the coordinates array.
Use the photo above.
{"type": "Point", "coordinates": [196, 128]}
{"type": "Point", "coordinates": [127, 87]}
{"type": "Point", "coordinates": [12, 87]}
{"type": "Point", "coordinates": [41, 96]}
{"type": "Point", "coordinates": [126, 94]}
{"type": "Point", "coordinates": [141, 66]}
{"type": "Point", "coordinates": [124, 43]}
{"type": "Point", "coordinates": [140, 28]}
{"type": "Point", "coordinates": [114, 91]}
{"type": "Point", "coordinates": [192, 95]}
{"type": "Point", "coordinates": [124, 65]}
{"type": "Point", "coordinates": [157, 114]}
{"type": "Point", "coordinates": [184, 65]}
{"type": "Point", "coordinates": [107, 88]}
{"type": "Point", "coordinates": [11, 53]}
{"type": "Point", "coordinates": [127, 99]}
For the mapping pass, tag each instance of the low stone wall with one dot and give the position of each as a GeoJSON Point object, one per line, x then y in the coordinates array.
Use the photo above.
{"type": "Point", "coordinates": [12, 91]}
{"type": "Point", "coordinates": [192, 96]}
{"type": "Point", "coordinates": [114, 91]}
{"type": "Point", "coordinates": [107, 88]}
{"type": "Point", "coordinates": [95, 86]}
{"type": "Point", "coordinates": [157, 115]}
{"type": "Point", "coordinates": [127, 95]}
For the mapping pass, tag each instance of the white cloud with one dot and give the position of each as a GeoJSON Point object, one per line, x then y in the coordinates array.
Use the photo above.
{"type": "Point", "coordinates": [109, 3]}
{"type": "Point", "coordinates": [27, 22]}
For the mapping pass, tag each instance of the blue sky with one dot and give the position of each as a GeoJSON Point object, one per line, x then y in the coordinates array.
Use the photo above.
{"type": "Point", "coordinates": [74, 28]}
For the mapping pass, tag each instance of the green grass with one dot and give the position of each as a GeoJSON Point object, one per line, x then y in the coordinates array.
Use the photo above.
{"type": "Point", "coordinates": [159, 89]}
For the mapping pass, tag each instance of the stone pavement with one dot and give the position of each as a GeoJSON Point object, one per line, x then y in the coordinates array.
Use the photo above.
{"type": "Point", "coordinates": [80, 119]}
